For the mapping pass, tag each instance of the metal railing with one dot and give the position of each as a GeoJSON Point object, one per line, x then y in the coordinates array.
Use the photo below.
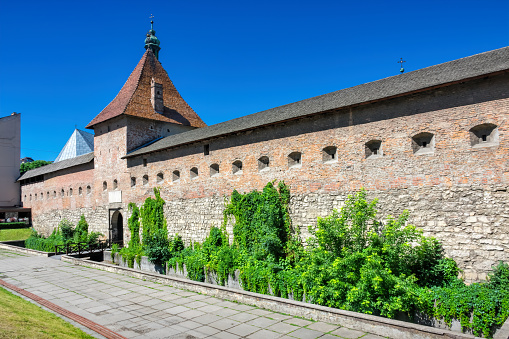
{"type": "Point", "coordinates": [84, 247]}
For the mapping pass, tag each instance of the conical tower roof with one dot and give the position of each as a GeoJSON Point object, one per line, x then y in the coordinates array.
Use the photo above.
{"type": "Point", "coordinates": [134, 97]}
{"type": "Point", "coordinates": [79, 143]}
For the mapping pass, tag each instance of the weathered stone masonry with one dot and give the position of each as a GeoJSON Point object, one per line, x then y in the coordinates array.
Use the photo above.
{"type": "Point", "coordinates": [440, 152]}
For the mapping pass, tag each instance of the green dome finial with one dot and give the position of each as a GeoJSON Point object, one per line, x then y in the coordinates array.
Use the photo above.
{"type": "Point", "coordinates": [152, 41]}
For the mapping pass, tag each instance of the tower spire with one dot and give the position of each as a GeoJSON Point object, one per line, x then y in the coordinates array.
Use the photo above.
{"type": "Point", "coordinates": [152, 41]}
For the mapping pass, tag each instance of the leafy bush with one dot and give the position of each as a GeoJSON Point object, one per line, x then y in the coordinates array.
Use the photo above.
{"type": "Point", "coordinates": [12, 225]}
{"type": "Point", "coordinates": [64, 234]}
{"type": "Point", "coordinates": [353, 260]}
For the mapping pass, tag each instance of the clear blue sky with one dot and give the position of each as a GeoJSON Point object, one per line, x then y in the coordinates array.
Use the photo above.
{"type": "Point", "coordinates": [62, 62]}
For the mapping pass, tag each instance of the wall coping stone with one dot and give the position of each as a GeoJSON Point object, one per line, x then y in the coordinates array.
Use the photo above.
{"type": "Point", "coordinates": [7, 246]}
{"type": "Point", "coordinates": [365, 322]}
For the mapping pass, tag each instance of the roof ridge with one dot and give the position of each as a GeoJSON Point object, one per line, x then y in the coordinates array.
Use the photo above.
{"type": "Point", "coordinates": [443, 74]}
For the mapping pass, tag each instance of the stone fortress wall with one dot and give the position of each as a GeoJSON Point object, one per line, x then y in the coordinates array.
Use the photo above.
{"type": "Point", "coordinates": [423, 152]}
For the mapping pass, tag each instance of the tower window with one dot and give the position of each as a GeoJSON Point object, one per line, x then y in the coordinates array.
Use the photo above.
{"type": "Point", "coordinates": [329, 154]}
{"type": "Point", "coordinates": [115, 184]}
{"type": "Point", "coordinates": [484, 135]}
{"type": "Point", "coordinates": [133, 181]}
{"type": "Point", "coordinates": [373, 149]}
{"type": "Point", "coordinates": [423, 143]}
{"type": "Point", "coordinates": [105, 185]}
{"type": "Point", "coordinates": [193, 173]}
{"type": "Point", "coordinates": [294, 159]}
{"type": "Point", "coordinates": [214, 170]}
{"type": "Point", "coordinates": [145, 180]}
{"type": "Point", "coordinates": [237, 167]}
{"type": "Point", "coordinates": [176, 176]}
{"type": "Point", "coordinates": [263, 163]}
{"type": "Point", "coordinates": [160, 177]}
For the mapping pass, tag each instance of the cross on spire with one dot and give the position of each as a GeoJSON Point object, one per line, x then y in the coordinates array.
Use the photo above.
{"type": "Point", "coordinates": [401, 61]}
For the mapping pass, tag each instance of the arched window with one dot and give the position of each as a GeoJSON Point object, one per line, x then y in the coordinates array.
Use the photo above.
{"type": "Point", "coordinates": [62, 193]}
{"type": "Point", "coordinates": [54, 194]}
{"type": "Point", "coordinates": [294, 159]}
{"type": "Point", "coordinates": [484, 135]}
{"type": "Point", "coordinates": [35, 196]}
{"type": "Point", "coordinates": [423, 143]}
{"type": "Point", "coordinates": [70, 192]}
{"type": "Point", "coordinates": [330, 154]}
{"type": "Point", "coordinates": [115, 184]}
{"type": "Point", "coordinates": [263, 163]}
{"type": "Point", "coordinates": [80, 191]}
{"type": "Point", "coordinates": [193, 173]}
{"type": "Point", "coordinates": [373, 149]}
{"type": "Point", "coordinates": [214, 170]}
{"type": "Point", "coordinates": [89, 190]}
{"type": "Point", "coordinates": [145, 180]}
{"type": "Point", "coordinates": [237, 167]}
{"type": "Point", "coordinates": [105, 185]}
{"type": "Point", "coordinates": [42, 195]}
{"type": "Point", "coordinates": [30, 197]}
{"type": "Point", "coordinates": [133, 181]}
{"type": "Point", "coordinates": [160, 177]}
{"type": "Point", "coordinates": [176, 176]}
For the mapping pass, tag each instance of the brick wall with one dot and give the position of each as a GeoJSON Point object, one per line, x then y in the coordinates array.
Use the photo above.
{"type": "Point", "coordinates": [454, 191]}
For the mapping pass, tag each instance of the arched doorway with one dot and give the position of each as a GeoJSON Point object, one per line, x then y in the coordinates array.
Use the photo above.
{"type": "Point", "coordinates": [117, 227]}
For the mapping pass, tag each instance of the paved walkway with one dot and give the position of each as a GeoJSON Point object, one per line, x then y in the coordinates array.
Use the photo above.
{"type": "Point", "coordinates": [141, 309]}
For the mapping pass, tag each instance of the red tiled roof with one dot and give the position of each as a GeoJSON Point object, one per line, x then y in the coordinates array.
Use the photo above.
{"type": "Point", "coordinates": [134, 97]}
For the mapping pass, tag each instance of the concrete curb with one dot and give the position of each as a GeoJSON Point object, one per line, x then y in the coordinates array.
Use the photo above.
{"type": "Point", "coordinates": [13, 248]}
{"type": "Point", "coordinates": [367, 323]}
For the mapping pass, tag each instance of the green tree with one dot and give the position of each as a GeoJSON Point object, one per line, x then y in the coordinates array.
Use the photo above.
{"type": "Point", "coordinates": [32, 165]}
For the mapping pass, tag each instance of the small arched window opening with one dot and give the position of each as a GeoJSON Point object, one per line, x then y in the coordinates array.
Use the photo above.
{"type": "Point", "coordinates": [160, 177]}
{"type": "Point", "coordinates": [237, 167]}
{"type": "Point", "coordinates": [35, 196]}
{"type": "Point", "coordinates": [54, 194]}
{"type": "Point", "coordinates": [62, 193]}
{"type": "Point", "coordinates": [423, 143]}
{"type": "Point", "coordinates": [193, 173]}
{"type": "Point", "coordinates": [80, 191]}
{"type": "Point", "coordinates": [373, 149]}
{"type": "Point", "coordinates": [263, 163]}
{"type": "Point", "coordinates": [175, 176]}
{"type": "Point", "coordinates": [115, 184]}
{"type": "Point", "coordinates": [214, 170]}
{"type": "Point", "coordinates": [105, 185]}
{"type": "Point", "coordinates": [89, 190]}
{"type": "Point", "coordinates": [47, 195]}
{"type": "Point", "coordinates": [330, 154]}
{"type": "Point", "coordinates": [133, 182]}
{"type": "Point", "coordinates": [70, 192]}
{"type": "Point", "coordinates": [145, 180]}
{"type": "Point", "coordinates": [25, 197]}
{"type": "Point", "coordinates": [484, 135]}
{"type": "Point", "coordinates": [42, 195]}
{"type": "Point", "coordinates": [30, 197]}
{"type": "Point", "coordinates": [295, 159]}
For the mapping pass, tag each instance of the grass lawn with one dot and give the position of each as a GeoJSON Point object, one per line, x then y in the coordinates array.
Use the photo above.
{"type": "Point", "coordinates": [15, 234]}
{"type": "Point", "coordinates": [22, 319]}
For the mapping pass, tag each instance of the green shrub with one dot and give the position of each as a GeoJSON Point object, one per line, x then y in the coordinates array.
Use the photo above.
{"type": "Point", "coordinates": [64, 234]}
{"type": "Point", "coordinates": [12, 225]}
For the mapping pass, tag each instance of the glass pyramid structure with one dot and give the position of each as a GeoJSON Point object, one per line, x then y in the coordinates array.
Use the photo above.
{"type": "Point", "coordinates": [79, 143]}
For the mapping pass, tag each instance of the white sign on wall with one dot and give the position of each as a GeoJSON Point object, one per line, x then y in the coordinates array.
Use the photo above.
{"type": "Point", "coordinates": [115, 196]}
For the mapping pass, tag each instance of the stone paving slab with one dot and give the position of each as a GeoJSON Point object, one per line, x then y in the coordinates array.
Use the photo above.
{"type": "Point", "coordinates": [142, 309]}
